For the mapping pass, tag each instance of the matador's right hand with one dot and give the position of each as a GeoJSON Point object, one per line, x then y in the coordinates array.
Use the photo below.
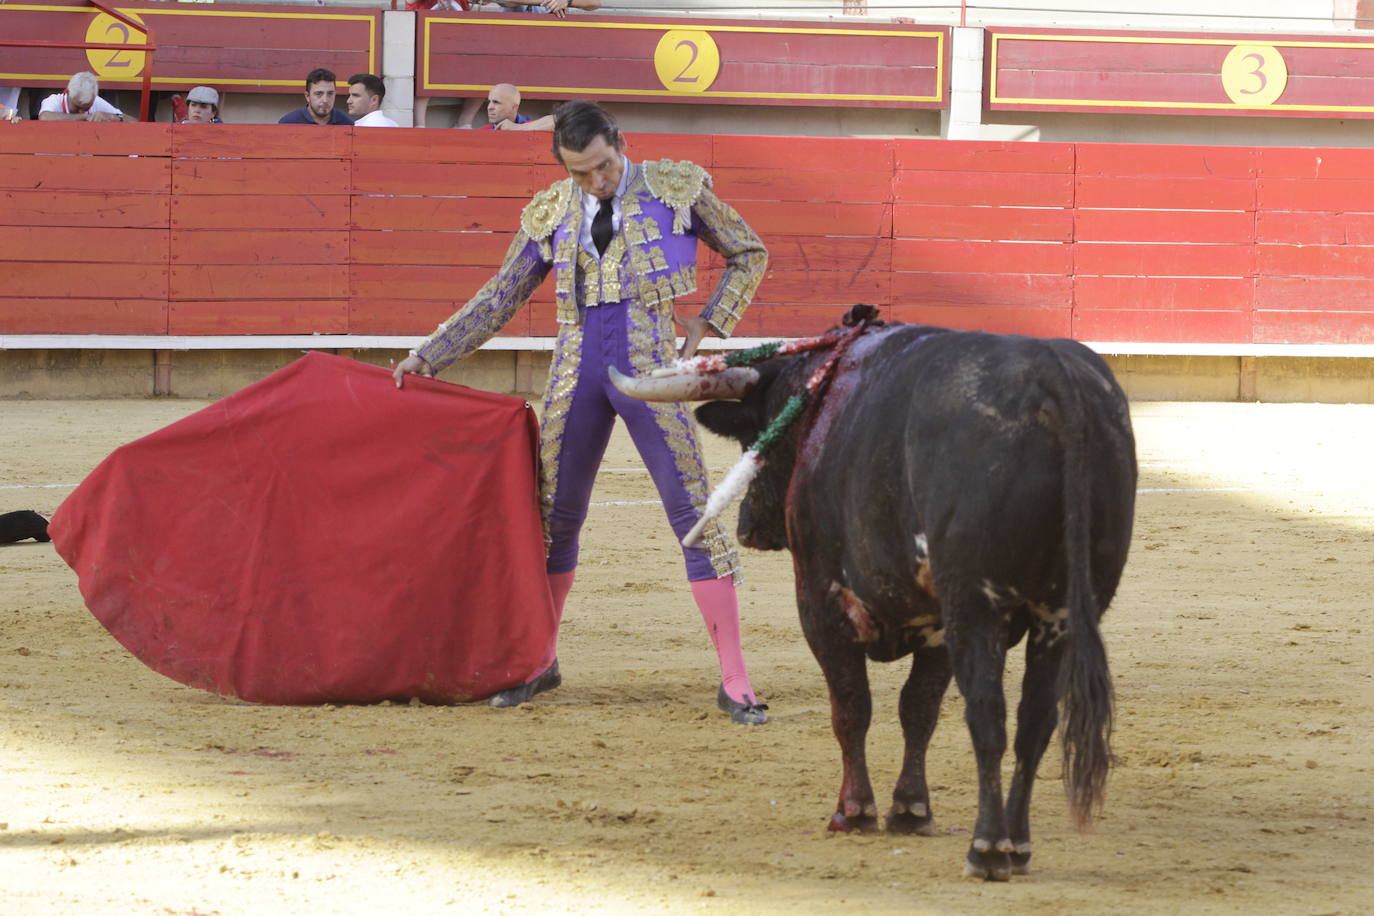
{"type": "Point", "coordinates": [415, 364]}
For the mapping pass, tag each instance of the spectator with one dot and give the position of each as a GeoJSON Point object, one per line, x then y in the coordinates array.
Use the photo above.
{"type": "Point", "coordinates": [320, 89]}
{"type": "Point", "coordinates": [503, 111]}
{"type": "Point", "coordinates": [558, 8]}
{"type": "Point", "coordinates": [80, 102]}
{"type": "Point", "coordinates": [365, 94]}
{"type": "Point", "coordinates": [202, 106]}
{"type": "Point", "coordinates": [9, 103]}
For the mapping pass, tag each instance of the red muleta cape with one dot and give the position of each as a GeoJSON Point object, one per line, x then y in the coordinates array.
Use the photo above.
{"type": "Point", "coordinates": [320, 536]}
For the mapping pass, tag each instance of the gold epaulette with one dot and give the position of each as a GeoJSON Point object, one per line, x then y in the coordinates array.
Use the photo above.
{"type": "Point", "coordinates": [677, 184]}
{"type": "Point", "coordinates": [543, 214]}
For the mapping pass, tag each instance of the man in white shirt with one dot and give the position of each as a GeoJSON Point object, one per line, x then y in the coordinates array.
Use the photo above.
{"type": "Point", "coordinates": [79, 103]}
{"type": "Point", "coordinates": [365, 94]}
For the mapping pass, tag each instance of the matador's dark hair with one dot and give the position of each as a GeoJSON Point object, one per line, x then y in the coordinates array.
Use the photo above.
{"type": "Point", "coordinates": [371, 83]}
{"type": "Point", "coordinates": [577, 124]}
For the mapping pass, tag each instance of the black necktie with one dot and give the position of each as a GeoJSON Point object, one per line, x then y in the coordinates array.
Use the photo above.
{"type": "Point", "coordinates": [601, 227]}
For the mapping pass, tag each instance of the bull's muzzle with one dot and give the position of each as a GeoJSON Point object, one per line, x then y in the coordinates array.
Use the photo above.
{"type": "Point", "coordinates": [729, 384]}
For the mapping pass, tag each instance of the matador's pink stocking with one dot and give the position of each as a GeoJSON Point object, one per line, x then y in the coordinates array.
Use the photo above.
{"type": "Point", "coordinates": [720, 609]}
{"type": "Point", "coordinates": [559, 584]}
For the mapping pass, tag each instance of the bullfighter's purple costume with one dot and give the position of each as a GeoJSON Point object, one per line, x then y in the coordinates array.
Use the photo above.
{"type": "Point", "coordinates": [617, 309]}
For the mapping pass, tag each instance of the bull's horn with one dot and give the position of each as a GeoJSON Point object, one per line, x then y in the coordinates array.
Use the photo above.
{"type": "Point", "coordinates": [687, 386]}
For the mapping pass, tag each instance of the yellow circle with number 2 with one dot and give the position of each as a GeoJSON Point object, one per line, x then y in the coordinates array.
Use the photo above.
{"type": "Point", "coordinates": [687, 60]}
{"type": "Point", "coordinates": [115, 63]}
{"type": "Point", "coordinates": [1254, 75]}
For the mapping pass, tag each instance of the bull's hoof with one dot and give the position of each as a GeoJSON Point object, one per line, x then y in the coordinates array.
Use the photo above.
{"type": "Point", "coordinates": [910, 819]}
{"type": "Point", "coordinates": [1020, 859]}
{"type": "Point", "coordinates": [990, 864]}
{"type": "Point", "coordinates": [514, 696]}
{"type": "Point", "coordinates": [865, 822]}
{"type": "Point", "coordinates": [741, 713]}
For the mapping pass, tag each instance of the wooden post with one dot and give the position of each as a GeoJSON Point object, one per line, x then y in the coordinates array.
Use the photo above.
{"type": "Point", "coordinates": [1248, 373]}
{"type": "Point", "coordinates": [162, 373]}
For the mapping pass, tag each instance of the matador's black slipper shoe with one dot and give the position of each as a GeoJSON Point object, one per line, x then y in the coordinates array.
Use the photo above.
{"type": "Point", "coordinates": [514, 696]}
{"type": "Point", "coordinates": [742, 713]}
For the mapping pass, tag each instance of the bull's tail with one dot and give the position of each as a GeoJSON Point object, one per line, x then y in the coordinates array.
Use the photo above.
{"type": "Point", "coordinates": [1085, 686]}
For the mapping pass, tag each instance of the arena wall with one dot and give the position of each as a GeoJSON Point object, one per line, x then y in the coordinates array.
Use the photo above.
{"type": "Point", "coordinates": [1214, 272]}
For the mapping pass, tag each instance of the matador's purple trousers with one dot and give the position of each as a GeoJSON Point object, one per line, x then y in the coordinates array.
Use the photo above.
{"type": "Point", "coordinates": [595, 405]}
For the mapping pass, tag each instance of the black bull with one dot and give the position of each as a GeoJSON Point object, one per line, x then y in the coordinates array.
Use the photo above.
{"type": "Point", "coordinates": [953, 492]}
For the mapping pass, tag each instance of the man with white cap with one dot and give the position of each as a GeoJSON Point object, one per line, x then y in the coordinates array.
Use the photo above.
{"type": "Point", "coordinates": [202, 106]}
{"type": "Point", "coordinates": [80, 102]}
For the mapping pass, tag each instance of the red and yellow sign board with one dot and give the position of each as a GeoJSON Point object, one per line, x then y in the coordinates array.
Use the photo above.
{"type": "Point", "coordinates": [733, 62]}
{"type": "Point", "coordinates": [1174, 73]}
{"type": "Point", "coordinates": [265, 50]}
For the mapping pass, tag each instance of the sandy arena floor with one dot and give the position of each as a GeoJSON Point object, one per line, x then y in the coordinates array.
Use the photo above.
{"type": "Point", "coordinates": [1242, 646]}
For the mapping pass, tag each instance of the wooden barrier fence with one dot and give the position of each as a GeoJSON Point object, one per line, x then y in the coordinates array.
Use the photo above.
{"type": "Point", "coordinates": [148, 229]}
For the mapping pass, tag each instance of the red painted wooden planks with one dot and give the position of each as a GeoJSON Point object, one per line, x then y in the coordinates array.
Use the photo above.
{"type": "Point", "coordinates": [1163, 293]}
{"type": "Point", "coordinates": [801, 154]}
{"type": "Point", "coordinates": [984, 156]}
{"type": "Point", "coordinates": [259, 316]}
{"type": "Point", "coordinates": [982, 257]}
{"type": "Point", "coordinates": [1335, 195]}
{"type": "Point", "coordinates": [85, 173]}
{"type": "Point", "coordinates": [1212, 226]}
{"type": "Point", "coordinates": [84, 138]}
{"type": "Point", "coordinates": [263, 141]}
{"type": "Point", "coordinates": [67, 315]}
{"type": "Point", "coordinates": [643, 147]}
{"type": "Point", "coordinates": [457, 147]}
{"type": "Point", "coordinates": [816, 218]}
{"type": "Point", "coordinates": [1133, 259]}
{"type": "Point", "coordinates": [1163, 326]}
{"type": "Point", "coordinates": [79, 209]}
{"type": "Point", "coordinates": [95, 245]}
{"type": "Point", "coordinates": [450, 249]}
{"type": "Point", "coordinates": [1037, 322]}
{"type": "Point", "coordinates": [1314, 327]}
{"type": "Point", "coordinates": [919, 221]}
{"type": "Point", "coordinates": [259, 211]}
{"type": "Point", "coordinates": [984, 189]}
{"type": "Point", "coordinates": [1142, 160]}
{"type": "Point", "coordinates": [1165, 193]}
{"type": "Point", "coordinates": [1314, 228]}
{"type": "Point", "coordinates": [840, 185]}
{"type": "Point", "coordinates": [1316, 261]}
{"type": "Point", "coordinates": [421, 316]}
{"type": "Point", "coordinates": [1314, 294]}
{"type": "Point", "coordinates": [39, 279]}
{"type": "Point", "coordinates": [259, 246]}
{"type": "Point", "coordinates": [393, 178]}
{"type": "Point", "coordinates": [805, 252]}
{"type": "Point", "coordinates": [260, 176]}
{"type": "Point", "coordinates": [444, 284]}
{"type": "Point", "coordinates": [1325, 163]}
{"type": "Point", "coordinates": [446, 214]}
{"type": "Point", "coordinates": [258, 281]}
{"type": "Point", "coordinates": [956, 289]}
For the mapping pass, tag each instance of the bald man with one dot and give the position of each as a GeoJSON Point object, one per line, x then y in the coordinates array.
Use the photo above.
{"type": "Point", "coordinates": [503, 111]}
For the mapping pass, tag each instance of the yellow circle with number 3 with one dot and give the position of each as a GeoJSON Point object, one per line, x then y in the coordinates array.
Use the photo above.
{"type": "Point", "coordinates": [687, 60]}
{"type": "Point", "coordinates": [1254, 75]}
{"type": "Point", "coordinates": [115, 63]}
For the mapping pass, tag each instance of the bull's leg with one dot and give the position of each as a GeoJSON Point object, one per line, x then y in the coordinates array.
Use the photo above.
{"type": "Point", "coordinates": [920, 709]}
{"type": "Point", "coordinates": [851, 707]}
{"type": "Point", "coordinates": [975, 635]}
{"type": "Point", "coordinates": [1036, 718]}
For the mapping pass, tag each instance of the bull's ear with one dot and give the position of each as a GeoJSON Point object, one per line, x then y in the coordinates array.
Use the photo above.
{"type": "Point", "coordinates": [731, 419]}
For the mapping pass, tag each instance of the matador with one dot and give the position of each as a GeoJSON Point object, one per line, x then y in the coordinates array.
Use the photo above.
{"type": "Point", "coordinates": [621, 240]}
